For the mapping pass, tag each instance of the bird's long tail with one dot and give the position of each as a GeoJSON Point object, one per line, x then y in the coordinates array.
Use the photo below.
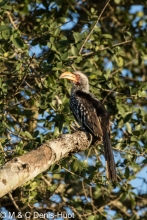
{"type": "Point", "coordinates": [110, 164]}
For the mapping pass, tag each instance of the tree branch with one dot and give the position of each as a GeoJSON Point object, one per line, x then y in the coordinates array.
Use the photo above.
{"type": "Point", "coordinates": [101, 49]}
{"type": "Point", "coordinates": [87, 38]}
{"type": "Point", "coordinates": [21, 169]}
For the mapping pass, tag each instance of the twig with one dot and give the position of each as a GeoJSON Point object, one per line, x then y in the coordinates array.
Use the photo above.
{"type": "Point", "coordinates": [105, 48]}
{"type": "Point", "coordinates": [23, 79]}
{"type": "Point", "coordinates": [59, 102]}
{"type": "Point", "coordinates": [73, 67]}
{"type": "Point", "coordinates": [102, 207]}
{"type": "Point", "coordinates": [46, 181]}
{"type": "Point", "coordinates": [13, 201]}
{"type": "Point", "coordinates": [84, 191]}
{"type": "Point", "coordinates": [108, 95]}
{"type": "Point", "coordinates": [76, 212]}
{"type": "Point", "coordinates": [91, 202]}
{"type": "Point", "coordinates": [2, 151]}
{"type": "Point", "coordinates": [119, 69]}
{"type": "Point", "coordinates": [19, 103]}
{"type": "Point", "coordinates": [131, 152]}
{"type": "Point", "coordinates": [93, 27]}
{"type": "Point", "coordinates": [115, 45]}
{"type": "Point", "coordinates": [11, 20]}
{"type": "Point", "coordinates": [71, 172]}
{"type": "Point", "coordinates": [17, 135]}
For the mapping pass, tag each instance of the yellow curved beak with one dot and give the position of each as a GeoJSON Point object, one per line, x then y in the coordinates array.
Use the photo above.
{"type": "Point", "coordinates": [68, 75]}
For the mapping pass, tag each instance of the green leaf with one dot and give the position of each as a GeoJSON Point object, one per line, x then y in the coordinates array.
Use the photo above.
{"type": "Point", "coordinates": [135, 166]}
{"type": "Point", "coordinates": [18, 43]}
{"type": "Point", "coordinates": [7, 7]}
{"type": "Point", "coordinates": [33, 185]}
{"type": "Point", "coordinates": [129, 128]}
{"type": "Point", "coordinates": [2, 3]}
{"type": "Point", "coordinates": [127, 172]}
{"type": "Point", "coordinates": [6, 125]}
{"type": "Point", "coordinates": [107, 74]}
{"type": "Point", "coordinates": [74, 50]}
{"type": "Point", "coordinates": [56, 131]}
{"type": "Point", "coordinates": [142, 94]}
{"type": "Point", "coordinates": [107, 36]}
{"type": "Point", "coordinates": [5, 27]}
{"type": "Point", "coordinates": [123, 196]}
{"type": "Point", "coordinates": [77, 37]}
{"type": "Point", "coordinates": [128, 117]}
{"type": "Point", "coordinates": [57, 32]}
{"type": "Point", "coordinates": [6, 34]}
{"type": "Point", "coordinates": [120, 61]}
{"type": "Point", "coordinates": [91, 217]}
{"type": "Point", "coordinates": [27, 134]}
{"type": "Point", "coordinates": [97, 29]}
{"type": "Point", "coordinates": [65, 56]}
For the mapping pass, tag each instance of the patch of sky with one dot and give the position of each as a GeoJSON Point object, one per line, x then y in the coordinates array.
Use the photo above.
{"type": "Point", "coordinates": [107, 64]}
{"type": "Point", "coordinates": [40, 124]}
{"type": "Point", "coordinates": [70, 23]}
{"type": "Point", "coordinates": [85, 27]}
{"type": "Point", "coordinates": [135, 9]}
{"type": "Point", "coordinates": [36, 50]}
{"type": "Point", "coordinates": [55, 198]}
{"type": "Point", "coordinates": [126, 72]}
{"type": "Point", "coordinates": [139, 184]}
{"type": "Point", "coordinates": [129, 101]}
{"type": "Point", "coordinates": [68, 210]}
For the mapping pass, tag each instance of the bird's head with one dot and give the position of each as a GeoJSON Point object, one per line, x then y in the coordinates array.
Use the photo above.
{"type": "Point", "coordinates": [79, 80]}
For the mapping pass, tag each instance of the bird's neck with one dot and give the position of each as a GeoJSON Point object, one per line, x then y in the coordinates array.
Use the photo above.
{"type": "Point", "coordinates": [84, 88]}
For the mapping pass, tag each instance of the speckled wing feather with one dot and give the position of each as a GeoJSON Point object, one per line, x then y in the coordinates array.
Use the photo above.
{"type": "Point", "coordinates": [85, 113]}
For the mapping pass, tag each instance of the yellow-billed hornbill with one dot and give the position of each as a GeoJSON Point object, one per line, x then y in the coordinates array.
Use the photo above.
{"type": "Point", "coordinates": [92, 115]}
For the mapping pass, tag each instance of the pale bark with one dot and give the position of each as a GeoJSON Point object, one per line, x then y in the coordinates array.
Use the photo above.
{"type": "Point", "coordinates": [21, 169]}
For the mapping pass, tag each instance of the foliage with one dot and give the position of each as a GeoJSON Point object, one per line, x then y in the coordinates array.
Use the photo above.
{"type": "Point", "coordinates": [40, 40]}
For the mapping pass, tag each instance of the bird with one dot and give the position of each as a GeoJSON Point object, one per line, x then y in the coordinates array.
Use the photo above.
{"type": "Point", "coordinates": [92, 115]}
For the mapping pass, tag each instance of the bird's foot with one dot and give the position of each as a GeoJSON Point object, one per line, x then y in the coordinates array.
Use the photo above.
{"type": "Point", "coordinates": [75, 127]}
{"type": "Point", "coordinates": [90, 138]}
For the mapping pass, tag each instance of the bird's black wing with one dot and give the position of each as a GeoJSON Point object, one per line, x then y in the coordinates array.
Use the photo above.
{"type": "Point", "coordinates": [96, 121]}
{"type": "Point", "coordinates": [93, 113]}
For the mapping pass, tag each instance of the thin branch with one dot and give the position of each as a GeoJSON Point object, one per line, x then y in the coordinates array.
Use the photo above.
{"type": "Point", "coordinates": [13, 201]}
{"type": "Point", "coordinates": [115, 45]}
{"type": "Point", "coordinates": [19, 103]}
{"type": "Point", "coordinates": [127, 64]}
{"type": "Point", "coordinates": [102, 49]}
{"type": "Point", "coordinates": [76, 212]}
{"type": "Point", "coordinates": [102, 207]}
{"type": "Point", "coordinates": [93, 27]}
{"type": "Point", "coordinates": [46, 181]}
{"type": "Point", "coordinates": [73, 67]}
{"type": "Point", "coordinates": [11, 20]}
{"type": "Point", "coordinates": [108, 95]}
{"type": "Point", "coordinates": [91, 202]}
{"type": "Point", "coordinates": [25, 75]}
{"type": "Point", "coordinates": [74, 174]}
{"type": "Point", "coordinates": [84, 191]}
{"type": "Point", "coordinates": [132, 152]}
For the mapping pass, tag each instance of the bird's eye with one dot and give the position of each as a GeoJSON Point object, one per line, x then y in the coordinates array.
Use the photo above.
{"type": "Point", "coordinates": [78, 77]}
